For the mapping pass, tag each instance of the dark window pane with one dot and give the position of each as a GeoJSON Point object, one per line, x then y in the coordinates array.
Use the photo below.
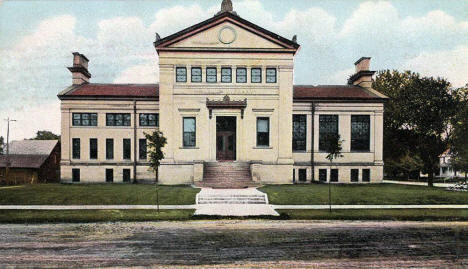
{"type": "Point", "coordinates": [241, 75]}
{"type": "Point", "coordinates": [323, 175]}
{"type": "Point", "coordinates": [142, 146]}
{"type": "Point", "coordinates": [299, 132]}
{"type": "Point", "coordinates": [366, 175]}
{"type": "Point", "coordinates": [196, 74]}
{"type": "Point", "coordinates": [302, 175]}
{"type": "Point", "coordinates": [189, 129]}
{"type": "Point", "coordinates": [109, 149]}
{"type": "Point", "coordinates": [263, 132]}
{"type": "Point", "coordinates": [109, 175]}
{"type": "Point", "coordinates": [126, 149]}
{"type": "Point", "coordinates": [126, 175]}
{"type": "Point", "coordinates": [75, 175]}
{"type": "Point", "coordinates": [328, 125]}
{"type": "Point", "coordinates": [143, 119]}
{"type": "Point", "coordinates": [226, 75]}
{"type": "Point", "coordinates": [256, 75]}
{"type": "Point", "coordinates": [211, 74]}
{"type": "Point", "coordinates": [93, 148]}
{"type": "Point", "coordinates": [354, 175]}
{"type": "Point", "coordinates": [181, 74]}
{"type": "Point", "coordinates": [360, 132]}
{"type": "Point", "coordinates": [76, 152]}
{"type": "Point", "coordinates": [271, 75]}
{"type": "Point", "coordinates": [334, 175]}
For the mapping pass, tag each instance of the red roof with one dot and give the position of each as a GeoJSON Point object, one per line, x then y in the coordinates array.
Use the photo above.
{"type": "Point", "coordinates": [112, 90]}
{"type": "Point", "coordinates": [336, 92]}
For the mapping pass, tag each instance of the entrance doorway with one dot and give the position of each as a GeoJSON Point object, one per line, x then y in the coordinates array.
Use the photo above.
{"type": "Point", "coordinates": [225, 138]}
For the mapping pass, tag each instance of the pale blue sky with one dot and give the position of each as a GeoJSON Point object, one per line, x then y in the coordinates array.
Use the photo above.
{"type": "Point", "coordinates": [37, 38]}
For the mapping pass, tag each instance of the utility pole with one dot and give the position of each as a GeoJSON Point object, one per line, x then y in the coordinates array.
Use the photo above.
{"type": "Point", "coordinates": [7, 168]}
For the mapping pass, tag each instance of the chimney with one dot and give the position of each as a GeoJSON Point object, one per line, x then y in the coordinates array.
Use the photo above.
{"type": "Point", "coordinates": [363, 76]}
{"type": "Point", "coordinates": [79, 69]}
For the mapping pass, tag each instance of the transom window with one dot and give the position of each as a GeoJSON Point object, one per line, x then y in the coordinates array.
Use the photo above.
{"type": "Point", "coordinates": [226, 75]}
{"type": "Point", "coordinates": [84, 119]}
{"type": "Point", "coordinates": [181, 74]}
{"type": "Point", "coordinates": [299, 132]}
{"type": "Point", "coordinates": [241, 75]}
{"type": "Point", "coordinates": [196, 74]}
{"type": "Point", "coordinates": [263, 132]}
{"type": "Point", "coordinates": [118, 119]}
{"type": "Point", "coordinates": [211, 74]}
{"type": "Point", "coordinates": [151, 119]}
{"type": "Point", "coordinates": [328, 125]}
{"type": "Point", "coordinates": [189, 132]}
{"type": "Point", "coordinates": [271, 75]}
{"type": "Point", "coordinates": [256, 75]}
{"type": "Point", "coordinates": [360, 132]}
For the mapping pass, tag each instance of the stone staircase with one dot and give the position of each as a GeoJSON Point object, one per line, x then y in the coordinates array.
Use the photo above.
{"type": "Point", "coordinates": [226, 175]}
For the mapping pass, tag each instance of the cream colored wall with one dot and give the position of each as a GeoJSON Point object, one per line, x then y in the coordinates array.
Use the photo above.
{"type": "Point", "coordinates": [373, 158]}
{"type": "Point", "coordinates": [93, 170]}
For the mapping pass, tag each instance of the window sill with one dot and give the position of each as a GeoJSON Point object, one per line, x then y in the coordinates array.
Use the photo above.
{"type": "Point", "coordinates": [300, 151]}
{"type": "Point", "coordinates": [189, 148]}
{"type": "Point", "coordinates": [262, 147]}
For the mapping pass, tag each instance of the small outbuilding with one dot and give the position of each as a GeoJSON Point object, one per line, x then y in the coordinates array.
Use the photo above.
{"type": "Point", "coordinates": [31, 161]}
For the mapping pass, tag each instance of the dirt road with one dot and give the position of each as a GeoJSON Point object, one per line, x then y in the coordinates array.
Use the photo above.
{"type": "Point", "coordinates": [239, 244]}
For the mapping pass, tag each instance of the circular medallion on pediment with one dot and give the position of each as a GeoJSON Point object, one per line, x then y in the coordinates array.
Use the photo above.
{"type": "Point", "coordinates": [227, 35]}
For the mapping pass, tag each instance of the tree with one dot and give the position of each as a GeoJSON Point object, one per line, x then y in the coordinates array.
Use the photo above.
{"type": "Point", "coordinates": [459, 143]}
{"type": "Point", "coordinates": [2, 145]}
{"type": "Point", "coordinates": [333, 147]}
{"type": "Point", "coordinates": [155, 142]}
{"type": "Point", "coordinates": [46, 135]}
{"type": "Point", "coordinates": [417, 117]}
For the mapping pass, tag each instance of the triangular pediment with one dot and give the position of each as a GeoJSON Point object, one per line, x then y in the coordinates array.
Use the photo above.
{"type": "Point", "coordinates": [226, 31]}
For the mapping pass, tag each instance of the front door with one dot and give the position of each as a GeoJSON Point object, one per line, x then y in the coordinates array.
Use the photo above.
{"type": "Point", "coordinates": [225, 138]}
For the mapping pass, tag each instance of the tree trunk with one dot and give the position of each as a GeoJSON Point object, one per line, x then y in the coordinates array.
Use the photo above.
{"type": "Point", "coordinates": [157, 174]}
{"type": "Point", "coordinates": [430, 179]}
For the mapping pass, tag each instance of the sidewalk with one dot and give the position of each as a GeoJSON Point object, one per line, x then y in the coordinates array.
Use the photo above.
{"type": "Point", "coordinates": [440, 185]}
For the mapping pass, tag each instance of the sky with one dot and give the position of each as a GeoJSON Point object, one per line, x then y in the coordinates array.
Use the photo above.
{"type": "Point", "coordinates": [38, 37]}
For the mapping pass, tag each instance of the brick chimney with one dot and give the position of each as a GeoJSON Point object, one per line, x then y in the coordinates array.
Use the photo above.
{"type": "Point", "coordinates": [79, 69]}
{"type": "Point", "coordinates": [363, 76]}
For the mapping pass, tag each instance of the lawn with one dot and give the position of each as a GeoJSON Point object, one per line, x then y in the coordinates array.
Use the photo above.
{"type": "Point", "coordinates": [371, 194]}
{"type": "Point", "coordinates": [44, 216]}
{"type": "Point", "coordinates": [96, 194]}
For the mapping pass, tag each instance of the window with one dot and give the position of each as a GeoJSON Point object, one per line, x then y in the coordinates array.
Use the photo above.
{"type": "Point", "coordinates": [109, 175]}
{"type": "Point", "coordinates": [93, 148]}
{"type": "Point", "coordinates": [299, 132]}
{"type": "Point", "coordinates": [149, 119]}
{"type": "Point", "coordinates": [263, 132]}
{"type": "Point", "coordinates": [360, 132]}
{"type": "Point", "coordinates": [181, 74]}
{"type": "Point", "coordinates": [226, 75]}
{"type": "Point", "coordinates": [142, 146]}
{"type": "Point", "coordinates": [302, 175]}
{"type": "Point", "coordinates": [76, 151]}
{"type": "Point", "coordinates": [75, 175]}
{"type": "Point", "coordinates": [109, 149]}
{"type": "Point", "coordinates": [354, 175]}
{"type": "Point", "coordinates": [256, 75]}
{"type": "Point", "coordinates": [323, 175]}
{"type": "Point", "coordinates": [366, 175]}
{"type": "Point", "coordinates": [196, 74]}
{"type": "Point", "coordinates": [84, 119]}
{"type": "Point", "coordinates": [118, 119]}
{"type": "Point", "coordinates": [189, 130]}
{"type": "Point", "coordinates": [126, 149]}
{"type": "Point", "coordinates": [328, 125]}
{"type": "Point", "coordinates": [241, 75]}
{"type": "Point", "coordinates": [211, 75]}
{"type": "Point", "coordinates": [271, 75]}
{"type": "Point", "coordinates": [126, 175]}
{"type": "Point", "coordinates": [334, 175]}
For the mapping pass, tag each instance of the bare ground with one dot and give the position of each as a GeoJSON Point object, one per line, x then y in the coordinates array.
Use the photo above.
{"type": "Point", "coordinates": [238, 244]}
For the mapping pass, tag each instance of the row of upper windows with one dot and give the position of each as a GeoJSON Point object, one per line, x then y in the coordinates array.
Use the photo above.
{"type": "Point", "coordinates": [115, 119]}
{"type": "Point", "coordinates": [328, 125]}
{"type": "Point", "coordinates": [211, 75]}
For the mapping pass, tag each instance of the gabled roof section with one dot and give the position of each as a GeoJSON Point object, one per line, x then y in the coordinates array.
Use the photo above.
{"type": "Point", "coordinates": [32, 147]}
{"type": "Point", "coordinates": [102, 90]}
{"type": "Point", "coordinates": [337, 92]}
{"type": "Point", "coordinates": [284, 43]}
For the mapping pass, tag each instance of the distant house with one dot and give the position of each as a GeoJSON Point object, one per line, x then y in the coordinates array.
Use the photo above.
{"type": "Point", "coordinates": [446, 169]}
{"type": "Point", "coordinates": [31, 161]}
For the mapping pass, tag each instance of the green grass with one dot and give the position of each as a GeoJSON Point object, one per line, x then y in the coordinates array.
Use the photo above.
{"type": "Point", "coordinates": [379, 214]}
{"type": "Point", "coordinates": [45, 216]}
{"type": "Point", "coordinates": [377, 194]}
{"type": "Point", "coordinates": [96, 194]}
